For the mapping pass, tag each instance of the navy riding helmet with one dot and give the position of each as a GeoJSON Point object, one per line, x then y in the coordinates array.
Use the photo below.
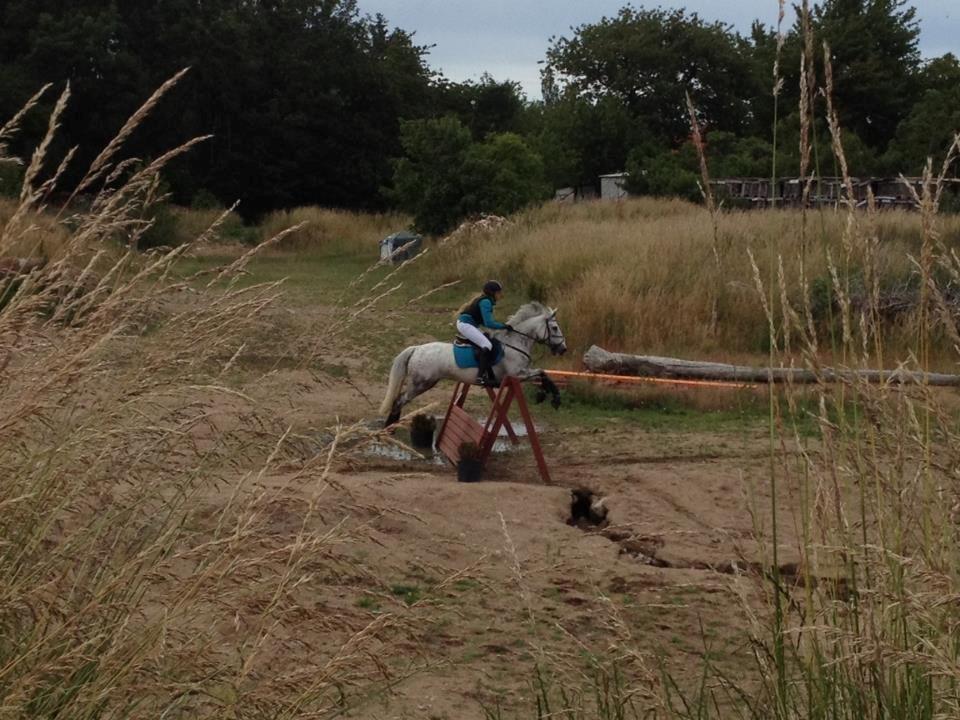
{"type": "Point", "coordinates": [492, 286]}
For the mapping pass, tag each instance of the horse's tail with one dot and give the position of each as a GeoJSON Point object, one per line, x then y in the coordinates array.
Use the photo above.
{"type": "Point", "coordinates": [397, 374]}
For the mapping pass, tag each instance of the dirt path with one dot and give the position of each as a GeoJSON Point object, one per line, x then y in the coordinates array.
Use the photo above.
{"type": "Point", "coordinates": [661, 579]}
{"type": "Point", "coordinates": [494, 579]}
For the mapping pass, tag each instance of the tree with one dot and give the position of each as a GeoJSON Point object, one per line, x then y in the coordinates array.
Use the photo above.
{"type": "Point", "coordinates": [445, 176]}
{"type": "Point", "coordinates": [304, 97]}
{"type": "Point", "coordinates": [875, 58]}
{"type": "Point", "coordinates": [730, 156]}
{"type": "Point", "coordinates": [663, 173]}
{"type": "Point", "coordinates": [580, 139]}
{"type": "Point", "coordinates": [933, 121]}
{"type": "Point", "coordinates": [501, 176]}
{"type": "Point", "coordinates": [427, 181]}
{"type": "Point", "coordinates": [52, 41]}
{"type": "Point", "coordinates": [676, 173]}
{"type": "Point", "coordinates": [649, 59]}
{"type": "Point", "coordinates": [486, 107]}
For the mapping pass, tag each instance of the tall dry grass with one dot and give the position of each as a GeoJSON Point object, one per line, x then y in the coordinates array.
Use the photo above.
{"type": "Point", "coordinates": [154, 560]}
{"type": "Point", "coordinates": [44, 236]}
{"type": "Point", "coordinates": [868, 627]}
{"type": "Point", "coordinates": [190, 223]}
{"type": "Point", "coordinates": [640, 275]}
{"type": "Point", "coordinates": [333, 232]}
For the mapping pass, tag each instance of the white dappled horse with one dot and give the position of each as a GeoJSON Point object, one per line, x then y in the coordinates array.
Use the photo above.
{"type": "Point", "coordinates": [419, 367]}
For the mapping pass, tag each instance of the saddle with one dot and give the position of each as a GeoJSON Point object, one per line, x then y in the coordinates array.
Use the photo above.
{"type": "Point", "coordinates": [462, 342]}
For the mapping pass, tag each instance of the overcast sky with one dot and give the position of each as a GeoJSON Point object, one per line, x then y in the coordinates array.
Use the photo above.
{"type": "Point", "coordinates": [507, 38]}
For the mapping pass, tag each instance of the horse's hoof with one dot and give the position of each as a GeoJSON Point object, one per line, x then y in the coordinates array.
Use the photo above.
{"type": "Point", "coordinates": [556, 402]}
{"type": "Point", "coordinates": [539, 397]}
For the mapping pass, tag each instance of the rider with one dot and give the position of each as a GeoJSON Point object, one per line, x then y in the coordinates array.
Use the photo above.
{"type": "Point", "coordinates": [479, 313]}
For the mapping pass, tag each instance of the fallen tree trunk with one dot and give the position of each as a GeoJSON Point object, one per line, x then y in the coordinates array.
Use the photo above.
{"type": "Point", "coordinates": [599, 360]}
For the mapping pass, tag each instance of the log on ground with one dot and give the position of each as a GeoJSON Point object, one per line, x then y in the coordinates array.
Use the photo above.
{"type": "Point", "coordinates": [598, 360]}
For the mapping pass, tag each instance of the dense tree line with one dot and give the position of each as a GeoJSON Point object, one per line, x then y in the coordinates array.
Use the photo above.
{"type": "Point", "coordinates": [895, 109]}
{"type": "Point", "coordinates": [313, 102]}
{"type": "Point", "coordinates": [304, 97]}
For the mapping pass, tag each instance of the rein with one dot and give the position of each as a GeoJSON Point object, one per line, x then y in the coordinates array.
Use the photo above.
{"type": "Point", "coordinates": [544, 341]}
{"type": "Point", "coordinates": [529, 337]}
{"type": "Point", "coordinates": [514, 347]}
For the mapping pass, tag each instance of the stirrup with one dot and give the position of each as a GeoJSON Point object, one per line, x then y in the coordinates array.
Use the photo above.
{"type": "Point", "coordinates": [490, 380]}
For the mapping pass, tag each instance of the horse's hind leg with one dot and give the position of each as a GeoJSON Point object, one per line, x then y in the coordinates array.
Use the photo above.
{"type": "Point", "coordinates": [417, 386]}
{"type": "Point", "coordinates": [393, 416]}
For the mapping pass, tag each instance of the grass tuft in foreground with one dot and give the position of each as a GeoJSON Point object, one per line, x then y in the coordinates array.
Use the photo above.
{"type": "Point", "coordinates": [154, 561]}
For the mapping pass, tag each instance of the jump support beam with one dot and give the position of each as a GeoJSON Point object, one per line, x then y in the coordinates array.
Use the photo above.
{"type": "Point", "coordinates": [459, 426]}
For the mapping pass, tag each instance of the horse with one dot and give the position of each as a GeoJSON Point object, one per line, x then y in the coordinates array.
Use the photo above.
{"type": "Point", "coordinates": [423, 366]}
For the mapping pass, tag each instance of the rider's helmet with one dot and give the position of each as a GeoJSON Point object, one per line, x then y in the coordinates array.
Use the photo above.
{"type": "Point", "coordinates": [491, 287]}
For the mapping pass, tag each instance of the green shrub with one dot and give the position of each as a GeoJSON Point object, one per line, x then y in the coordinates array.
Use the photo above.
{"type": "Point", "coordinates": [163, 229]}
{"type": "Point", "coordinates": [11, 178]}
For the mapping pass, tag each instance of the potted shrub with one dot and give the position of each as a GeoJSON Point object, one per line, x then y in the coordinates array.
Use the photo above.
{"type": "Point", "coordinates": [470, 467]}
{"type": "Point", "coordinates": [422, 428]}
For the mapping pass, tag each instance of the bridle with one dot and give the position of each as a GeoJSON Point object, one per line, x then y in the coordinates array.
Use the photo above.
{"type": "Point", "coordinates": [548, 340]}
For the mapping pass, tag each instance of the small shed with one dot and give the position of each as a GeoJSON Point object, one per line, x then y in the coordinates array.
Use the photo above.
{"type": "Point", "coordinates": [613, 186]}
{"type": "Point", "coordinates": [400, 246]}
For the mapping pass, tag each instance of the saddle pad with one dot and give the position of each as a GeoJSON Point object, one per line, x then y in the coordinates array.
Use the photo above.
{"type": "Point", "coordinates": [465, 355]}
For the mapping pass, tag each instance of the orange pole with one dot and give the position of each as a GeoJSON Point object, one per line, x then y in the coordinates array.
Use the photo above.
{"type": "Point", "coordinates": [635, 380]}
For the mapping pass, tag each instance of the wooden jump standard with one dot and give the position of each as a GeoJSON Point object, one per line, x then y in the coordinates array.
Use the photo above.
{"type": "Point", "coordinates": [459, 427]}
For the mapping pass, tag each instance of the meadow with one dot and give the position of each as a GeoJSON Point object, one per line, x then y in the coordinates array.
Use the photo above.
{"type": "Point", "coordinates": [641, 275]}
{"type": "Point", "coordinates": [199, 518]}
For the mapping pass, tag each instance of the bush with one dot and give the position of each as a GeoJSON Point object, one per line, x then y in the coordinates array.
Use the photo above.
{"type": "Point", "coordinates": [328, 231]}
{"type": "Point", "coordinates": [501, 176]}
{"type": "Point", "coordinates": [446, 177]}
{"type": "Point", "coordinates": [664, 175]}
{"type": "Point", "coordinates": [163, 230]}
{"type": "Point", "coordinates": [205, 200]}
{"type": "Point", "coordinates": [11, 178]}
{"type": "Point", "coordinates": [428, 181]}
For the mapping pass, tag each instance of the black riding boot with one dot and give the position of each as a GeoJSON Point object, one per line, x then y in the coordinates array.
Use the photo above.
{"type": "Point", "coordinates": [485, 370]}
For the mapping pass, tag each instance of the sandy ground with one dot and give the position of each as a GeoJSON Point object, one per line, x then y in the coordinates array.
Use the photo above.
{"type": "Point", "coordinates": [499, 577]}
{"type": "Point", "coordinates": [495, 579]}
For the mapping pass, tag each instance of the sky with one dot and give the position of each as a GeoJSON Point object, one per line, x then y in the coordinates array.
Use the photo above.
{"type": "Point", "coordinates": [507, 38]}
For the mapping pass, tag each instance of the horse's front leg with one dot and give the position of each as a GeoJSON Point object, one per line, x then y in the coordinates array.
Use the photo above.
{"type": "Point", "coordinates": [546, 384]}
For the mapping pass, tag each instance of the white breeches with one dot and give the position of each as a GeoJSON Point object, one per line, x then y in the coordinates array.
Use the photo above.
{"type": "Point", "coordinates": [473, 335]}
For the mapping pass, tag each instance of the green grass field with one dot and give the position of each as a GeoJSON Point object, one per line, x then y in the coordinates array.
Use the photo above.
{"type": "Point", "coordinates": [341, 283]}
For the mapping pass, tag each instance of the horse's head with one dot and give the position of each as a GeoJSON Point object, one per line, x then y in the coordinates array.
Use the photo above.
{"type": "Point", "coordinates": [540, 323]}
{"type": "Point", "coordinates": [554, 335]}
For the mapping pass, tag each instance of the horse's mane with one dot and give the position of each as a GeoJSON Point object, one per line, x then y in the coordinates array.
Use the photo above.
{"type": "Point", "coordinates": [531, 309]}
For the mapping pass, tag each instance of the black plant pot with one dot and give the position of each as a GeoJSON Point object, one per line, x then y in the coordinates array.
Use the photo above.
{"type": "Point", "coordinates": [469, 470]}
{"type": "Point", "coordinates": [422, 428]}
{"type": "Point", "coordinates": [421, 438]}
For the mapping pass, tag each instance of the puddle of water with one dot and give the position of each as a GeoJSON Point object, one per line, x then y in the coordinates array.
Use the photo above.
{"type": "Point", "coordinates": [394, 452]}
{"type": "Point", "coordinates": [518, 430]}
{"type": "Point", "coordinates": [433, 457]}
{"type": "Point", "coordinates": [389, 451]}
{"type": "Point", "coordinates": [504, 444]}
